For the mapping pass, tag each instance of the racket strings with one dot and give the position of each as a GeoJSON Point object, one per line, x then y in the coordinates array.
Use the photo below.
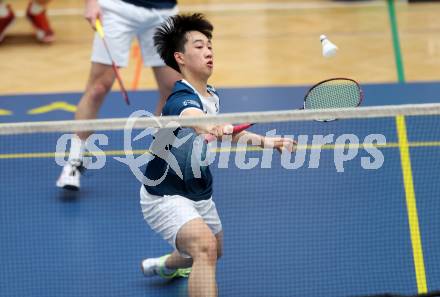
{"type": "Point", "coordinates": [333, 94]}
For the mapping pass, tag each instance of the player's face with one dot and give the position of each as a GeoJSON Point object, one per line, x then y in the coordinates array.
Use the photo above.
{"type": "Point", "coordinates": [198, 56]}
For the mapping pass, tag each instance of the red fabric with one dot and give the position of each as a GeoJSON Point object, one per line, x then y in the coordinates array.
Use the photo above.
{"type": "Point", "coordinates": [41, 23]}
{"type": "Point", "coordinates": [6, 21]}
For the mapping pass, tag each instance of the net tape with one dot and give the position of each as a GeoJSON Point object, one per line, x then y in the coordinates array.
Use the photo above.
{"type": "Point", "coordinates": [234, 118]}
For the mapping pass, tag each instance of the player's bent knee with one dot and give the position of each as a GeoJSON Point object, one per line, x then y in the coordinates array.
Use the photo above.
{"type": "Point", "coordinates": [206, 249]}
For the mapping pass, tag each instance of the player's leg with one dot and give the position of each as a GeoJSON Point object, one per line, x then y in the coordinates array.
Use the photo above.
{"type": "Point", "coordinates": [36, 14]}
{"type": "Point", "coordinates": [176, 261]}
{"type": "Point", "coordinates": [197, 240]}
{"type": "Point", "coordinates": [208, 211]}
{"type": "Point", "coordinates": [178, 221]}
{"type": "Point", "coordinates": [202, 239]}
{"type": "Point", "coordinates": [6, 18]}
{"type": "Point", "coordinates": [119, 34]}
{"type": "Point", "coordinates": [100, 82]}
{"type": "Point", "coordinates": [203, 248]}
{"type": "Point", "coordinates": [165, 216]}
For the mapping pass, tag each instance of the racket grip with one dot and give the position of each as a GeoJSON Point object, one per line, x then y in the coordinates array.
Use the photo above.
{"type": "Point", "coordinates": [99, 29]}
{"type": "Point", "coordinates": [235, 130]}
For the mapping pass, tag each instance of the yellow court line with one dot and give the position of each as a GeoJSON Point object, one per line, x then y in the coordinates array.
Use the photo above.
{"type": "Point", "coordinates": [5, 112]}
{"type": "Point", "coordinates": [218, 150]}
{"type": "Point", "coordinates": [413, 219]}
{"type": "Point", "coordinates": [28, 155]}
{"type": "Point", "coordinates": [57, 105]}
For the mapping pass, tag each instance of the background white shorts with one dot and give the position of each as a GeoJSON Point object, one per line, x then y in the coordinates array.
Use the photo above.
{"type": "Point", "coordinates": [166, 215]}
{"type": "Point", "coordinates": [122, 22]}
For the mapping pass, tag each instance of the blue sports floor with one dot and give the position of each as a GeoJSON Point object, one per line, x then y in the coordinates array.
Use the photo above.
{"type": "Point", "coordinates": [303, 232]}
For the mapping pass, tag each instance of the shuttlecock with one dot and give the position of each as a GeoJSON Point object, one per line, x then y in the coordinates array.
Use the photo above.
{"type": "Point", "coordinates": [328, 48]}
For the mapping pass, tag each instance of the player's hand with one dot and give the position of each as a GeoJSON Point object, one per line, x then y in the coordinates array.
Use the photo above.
{"type": "Point", "coordinates": [220, 130]}
{"type": "Point", "coordinates": [92, 11]}
{"type": "Point", "coordinates": [280, 143]}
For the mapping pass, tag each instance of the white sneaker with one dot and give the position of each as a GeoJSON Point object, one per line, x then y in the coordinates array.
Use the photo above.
{"type": "Point", "coordinates": [70, 176]}
{"type": "Point", "coordinates": [155, 266]}
{"type": "Point", "coordinates": [150, 267]}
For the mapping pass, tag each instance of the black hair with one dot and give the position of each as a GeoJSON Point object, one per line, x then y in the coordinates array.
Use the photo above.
{"type": "Point", "coordinates": [170, 37]}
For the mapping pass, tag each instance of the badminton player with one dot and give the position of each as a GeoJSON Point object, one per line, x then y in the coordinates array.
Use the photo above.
{"type": "Point", "coordinates": [181, 208]}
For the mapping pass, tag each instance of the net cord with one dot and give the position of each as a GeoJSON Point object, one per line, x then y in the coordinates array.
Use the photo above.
{"type": "Point", "coordinates": [233, 118]}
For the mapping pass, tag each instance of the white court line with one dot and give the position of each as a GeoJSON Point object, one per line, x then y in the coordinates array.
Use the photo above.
{"type": "Point", "coordinates": [233, 7]}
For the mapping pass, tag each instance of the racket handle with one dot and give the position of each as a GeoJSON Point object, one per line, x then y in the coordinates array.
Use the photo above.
{"type": "Point", "coordinates": [235, 130]}
{"type": "Point", "coordinates": [99, 29]}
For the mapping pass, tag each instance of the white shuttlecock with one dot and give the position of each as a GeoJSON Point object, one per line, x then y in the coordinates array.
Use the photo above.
{"type": "Point", "coordinates": [328, 48]}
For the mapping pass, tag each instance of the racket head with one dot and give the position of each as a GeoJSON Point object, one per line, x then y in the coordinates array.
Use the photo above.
{"type": "Point", "coordinates": [337, 92]}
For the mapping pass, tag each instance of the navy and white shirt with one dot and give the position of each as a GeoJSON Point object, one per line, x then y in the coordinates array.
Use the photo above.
{"type": "Point", "coordinates": [156, 4]}
{"type": "Point", "coordinates": [175, 163]}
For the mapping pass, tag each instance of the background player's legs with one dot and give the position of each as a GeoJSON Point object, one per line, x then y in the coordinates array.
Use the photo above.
{"type": "Point", "coordinates": [6, 18]}
{"type": "Point", "coordinates": [165, 78]}
{"type": "Point", "coordinates": [100, 82]}
{"type": "Point", "coordinates": [36, 14]}
{"type": "Point", "coordinates": [196, 239]}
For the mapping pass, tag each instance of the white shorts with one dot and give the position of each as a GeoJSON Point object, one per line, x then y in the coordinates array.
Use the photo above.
{"type": "Point", "coordinates": [122, 22]}
{"type": "Point", "coordinates": [167, 214]}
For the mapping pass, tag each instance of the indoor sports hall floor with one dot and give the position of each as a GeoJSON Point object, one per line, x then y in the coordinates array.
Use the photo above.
{"type": "Point", "coordinates": [304, 232]}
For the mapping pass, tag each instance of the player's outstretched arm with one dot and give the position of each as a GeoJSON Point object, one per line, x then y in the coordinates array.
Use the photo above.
{"type": "Point", "coordinates": [278, 143]}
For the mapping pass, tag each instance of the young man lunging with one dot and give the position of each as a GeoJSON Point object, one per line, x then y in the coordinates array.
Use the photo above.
{"type": "Point", "coordinates": [180, 208]}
